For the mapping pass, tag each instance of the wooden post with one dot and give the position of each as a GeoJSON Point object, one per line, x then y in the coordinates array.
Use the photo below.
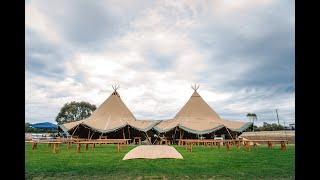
{"type": "Point", "coordinates": [123, 133]}
{"type": "Point", "coordinates": [54, 148]}
{"type": "Point", "coordinates": [34, 145]}
{"type": "Point", "coordinates": [248, 145]}
{"type": "Point", "coordinates": [87, 146]}
{"type": "Point", "coordinates": [78, 147]}
{"type": "Point", "coordinates": [228, 146]}
{"type": "Point", "coordinates": [283, 145]}
{"type": "Point", "coordinates": [129, 132]}
{"type": "Point", "coordinates": [59, 147]}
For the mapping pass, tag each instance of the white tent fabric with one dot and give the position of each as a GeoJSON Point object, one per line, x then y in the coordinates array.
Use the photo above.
{"type": "Point", "coordinates": [112, 115]}
{"type": "Point", "coordinates": [197, 117]}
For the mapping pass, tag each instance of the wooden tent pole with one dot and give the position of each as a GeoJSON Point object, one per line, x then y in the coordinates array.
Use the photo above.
{"type": "Point", "coordinates": [123, 133]}
{"type": "Point", "coordinates": [129, 132]}
{"type": "Point", "coordinates": [75, 130]}
{"type": "Point", "coordinates": [229, 134]}
{"type": "Point", "coordinates": [182, 134]}
{"type": "Point", "coordinates": [147, 137]}
{"type": "Point", "coordinates": [89, 134]}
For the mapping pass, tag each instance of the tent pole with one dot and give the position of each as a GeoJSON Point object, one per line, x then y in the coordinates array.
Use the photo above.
{"type": "Point", "coordinates": [89, 134]}
{"type": "Point", "coordinates": [229, 134]}
{"type": "Point", "coordinates": [129, 132]}
{"type": "Point", "coordinates": [147, 137]}
{"type": "Point", "coordinates": [174, 136]}
{"type": "Point", "coordinates": [182, 134]}
{"type": "Point", "coordinates": [75, 130]}
{"type": "Point", "coordinates": [123, 133]}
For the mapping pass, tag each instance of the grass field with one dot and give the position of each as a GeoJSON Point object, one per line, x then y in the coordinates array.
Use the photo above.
{"type": "Point", "coordinates": [104, 162]}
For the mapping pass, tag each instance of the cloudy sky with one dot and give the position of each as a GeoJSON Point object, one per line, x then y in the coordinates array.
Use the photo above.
{"type": "Point", "coordinates": [240, 52]}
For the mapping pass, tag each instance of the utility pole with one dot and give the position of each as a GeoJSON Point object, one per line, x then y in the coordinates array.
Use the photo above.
{"type": "Point", "coordinates": [277, 116]}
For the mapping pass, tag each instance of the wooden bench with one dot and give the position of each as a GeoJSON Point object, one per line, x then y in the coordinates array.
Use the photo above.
{"type": "Point", "coordinates": [119, 143]}
{"type": "Point", "coordinates": [55, 147]}
{"type": "Point", "coordinates": [283, 143]}
{"type": "Point", "coordinates": [164, 141]}
{"type": "Point", "coordinates": [210, 142]}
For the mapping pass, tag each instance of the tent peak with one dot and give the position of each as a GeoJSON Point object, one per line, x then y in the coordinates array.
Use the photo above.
{"type": "Point", "coordinates": [115, 88]}
{"type": "Point", "coordinates": [195, 87]}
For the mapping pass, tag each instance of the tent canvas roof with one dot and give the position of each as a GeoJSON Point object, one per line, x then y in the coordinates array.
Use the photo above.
{"type": "Point", "coordinates": [197, 117]}
{"type": "Point", "coordinates": [111, 115]}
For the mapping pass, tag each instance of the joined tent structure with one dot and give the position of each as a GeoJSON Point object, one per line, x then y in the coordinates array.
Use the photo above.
{"type": "Point", "coordinates": [195, 118]}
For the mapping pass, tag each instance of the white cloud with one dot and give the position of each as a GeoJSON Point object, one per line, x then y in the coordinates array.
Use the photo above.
{"type": "Point", "coordinates": [37, 21]}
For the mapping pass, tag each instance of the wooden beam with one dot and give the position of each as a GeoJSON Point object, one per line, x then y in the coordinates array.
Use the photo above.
{"type": "Point", "coordinates": [129, 132]}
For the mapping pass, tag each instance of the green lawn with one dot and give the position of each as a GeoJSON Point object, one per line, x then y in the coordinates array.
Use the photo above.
{"type": "Point", "coordinates": [104, 162]}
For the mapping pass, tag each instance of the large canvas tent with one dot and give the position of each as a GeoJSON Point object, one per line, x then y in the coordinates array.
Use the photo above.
{"type": "Point", "coordinates": [196, 118]}
{"type": "Point", "coordinates": [114, 119]}
{"type": "Point", "coordinates": [111, 118]}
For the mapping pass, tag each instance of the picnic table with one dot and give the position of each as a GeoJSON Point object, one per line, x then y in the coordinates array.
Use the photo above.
{"type": "Point", "coordinates": [118, 142]}
{"type": "Point", "coordinates": [55, 147]}
{"type": "Point", "coordinates": [208, 142]}
{"type": "Point", "coordinates": [227, 143]}
{"type": "Point", "coordinates": [283, 143]}
{"type": "Point", "coordinates": [164, 141]}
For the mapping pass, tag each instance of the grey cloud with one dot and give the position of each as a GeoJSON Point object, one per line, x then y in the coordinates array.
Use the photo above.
{"type": "Point", "coordinates": [251, 57]}
{"type": "Point", "coordinates": [44, 58]}
{"type": "Point", "coordinates": [89, 25]}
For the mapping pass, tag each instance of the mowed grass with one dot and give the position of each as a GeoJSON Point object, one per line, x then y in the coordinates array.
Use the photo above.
{"type": "Point", "coordinates": [104, 162]}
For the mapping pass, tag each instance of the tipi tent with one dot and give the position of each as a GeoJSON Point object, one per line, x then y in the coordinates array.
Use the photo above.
{"type": "Point", "coordinates": [198, 118]}
{"type": "Point", "coordinates": [110, 117]}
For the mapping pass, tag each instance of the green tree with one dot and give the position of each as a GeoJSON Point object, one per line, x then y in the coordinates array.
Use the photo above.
{"type": "Point", "coordinates": [253, 117]}
{"type": "Point", "coordinates": [75, 111]}
{"type": "Point", "coordinates": [271, 127]}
